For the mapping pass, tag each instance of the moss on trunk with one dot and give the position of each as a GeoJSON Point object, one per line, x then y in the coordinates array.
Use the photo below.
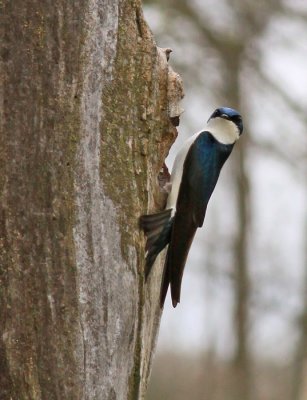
{"type": "Point", "coordinates": [86, 127]}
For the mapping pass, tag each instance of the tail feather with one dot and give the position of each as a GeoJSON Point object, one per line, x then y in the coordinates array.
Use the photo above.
{"type": "Point", "coordinates": [157, 228]}
{"type": "Point", "coordinates": [176, 257]}
{"type": "Point", "coordinates": [152, 235]}
{"type": "Point", "coordinates": [148, 222]}
{"type": "Point", "coordinates": [166, 280]}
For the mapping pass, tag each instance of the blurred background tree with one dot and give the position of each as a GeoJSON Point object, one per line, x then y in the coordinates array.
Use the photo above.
{"type": "Point", "coordinates": [240, 331]}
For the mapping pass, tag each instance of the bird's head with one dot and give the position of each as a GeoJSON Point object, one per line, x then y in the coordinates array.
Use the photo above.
{"type": "Point", "coordinates": [226, 125]}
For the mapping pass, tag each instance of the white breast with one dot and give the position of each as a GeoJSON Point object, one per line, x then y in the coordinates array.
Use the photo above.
{"type": "Point", "coordinates": [224, 131]}
{"type": "Point", "coordinates": [177, 173]}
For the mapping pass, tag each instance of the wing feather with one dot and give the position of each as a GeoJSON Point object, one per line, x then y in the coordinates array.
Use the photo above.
{"type": "Point", "coordinates": [201, 170]}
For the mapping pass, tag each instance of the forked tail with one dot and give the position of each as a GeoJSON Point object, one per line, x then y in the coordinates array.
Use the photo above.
{"type": "Point", "coordinates": [157, 229]}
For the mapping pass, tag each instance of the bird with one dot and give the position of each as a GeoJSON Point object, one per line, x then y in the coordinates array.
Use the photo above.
{"type": "Point", "coordinates": [194, 175]}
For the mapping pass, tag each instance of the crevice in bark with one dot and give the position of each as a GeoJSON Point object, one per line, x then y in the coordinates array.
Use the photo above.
{"type": "Point", "coordinates": [139, 21]}
{"type": "Point", "coordinates": [86, 131]}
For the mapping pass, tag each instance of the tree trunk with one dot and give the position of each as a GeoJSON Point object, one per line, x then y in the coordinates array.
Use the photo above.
{"type": "Point", "coordinates": [241, 381]}
{"type": "Point", "coordinates": [89, 102]}
{"type": "Point", "coordinates": [299, 377]}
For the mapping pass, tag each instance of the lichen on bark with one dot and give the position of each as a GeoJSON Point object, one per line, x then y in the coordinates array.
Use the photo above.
{"type": "Point", "coordinates": [86, 128]}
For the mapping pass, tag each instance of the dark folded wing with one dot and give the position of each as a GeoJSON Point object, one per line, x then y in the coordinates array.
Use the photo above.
{"type": "Point", "coordinates": [201, 170]}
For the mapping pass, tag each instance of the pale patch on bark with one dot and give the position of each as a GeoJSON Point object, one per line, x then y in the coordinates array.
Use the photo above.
{"type": "Point", "coordinates": [102, 276]}
{"type": "Point", "coordinates": [79, 322]}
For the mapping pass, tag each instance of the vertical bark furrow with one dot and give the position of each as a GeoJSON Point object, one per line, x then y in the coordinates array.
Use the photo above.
{"type": "Point", "coordinates": [85, 131]}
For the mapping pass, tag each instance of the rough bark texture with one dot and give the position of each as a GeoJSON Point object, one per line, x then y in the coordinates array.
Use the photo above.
{"type": "Point", "coordinates": [88, 101]}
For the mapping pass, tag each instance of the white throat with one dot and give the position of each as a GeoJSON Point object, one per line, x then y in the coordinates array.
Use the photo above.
{"type": "Point", "coordinates": [226, 132]}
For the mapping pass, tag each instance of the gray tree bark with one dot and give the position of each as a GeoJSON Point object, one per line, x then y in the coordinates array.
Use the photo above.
{"type": "Point", "coordinates": [299, 381]}
{"type": "Point", "coordinates": [89, 105]}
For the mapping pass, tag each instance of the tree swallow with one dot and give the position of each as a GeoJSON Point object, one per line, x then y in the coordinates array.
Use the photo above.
{"type": "Point", "coordinates": [195, 173]}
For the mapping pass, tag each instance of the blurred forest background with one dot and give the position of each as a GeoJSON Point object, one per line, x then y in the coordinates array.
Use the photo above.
{"type": "Point", "coordinates": [240, 332]}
